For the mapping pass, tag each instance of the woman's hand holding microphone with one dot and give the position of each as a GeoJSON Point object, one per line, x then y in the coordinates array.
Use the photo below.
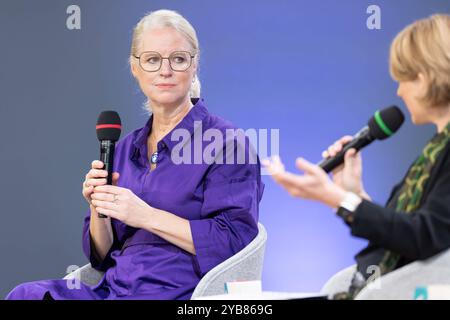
{"type": "Point", "coordinates": [113, 201]}
{"type": "Point", "coordinates": [96, 177]}
{"type": "Point", "coordinates": [349, 174]}
{"type": "Point", "coordinates": [99, 228]}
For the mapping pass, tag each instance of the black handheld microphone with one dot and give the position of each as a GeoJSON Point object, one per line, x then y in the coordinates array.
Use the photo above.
{"type": "Point", "coordinates": [108, 129]}
{"type": "Point", "coordinates": [382, 125]}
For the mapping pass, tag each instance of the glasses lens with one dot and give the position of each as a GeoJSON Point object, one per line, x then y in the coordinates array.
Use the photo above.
{"type": "Point", "coordinates": [150, 61]}
{"type": "Point", "coordinates": [180, 60]}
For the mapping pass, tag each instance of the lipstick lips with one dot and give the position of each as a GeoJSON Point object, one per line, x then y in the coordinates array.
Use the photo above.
{"type": "Point", "coordinates": [165, 85]}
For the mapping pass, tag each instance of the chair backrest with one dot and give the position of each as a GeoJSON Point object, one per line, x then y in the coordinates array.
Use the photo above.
{"type": "Point", "coordinates": [400, 284]}
{"type": "Point", "coordinates": [245, 265]}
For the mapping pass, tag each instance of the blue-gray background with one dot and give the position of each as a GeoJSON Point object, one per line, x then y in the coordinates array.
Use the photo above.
{"type": "Point", "coordinates": [309, 68]}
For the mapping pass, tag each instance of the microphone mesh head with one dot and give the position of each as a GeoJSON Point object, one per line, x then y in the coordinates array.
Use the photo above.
{"type": "Point", "coordinates": [108, 126]}
{"type": "Point", "coordinates": [386, 122]}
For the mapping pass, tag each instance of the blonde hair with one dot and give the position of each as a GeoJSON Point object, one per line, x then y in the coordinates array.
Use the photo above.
{"type": "Point", "coordinates": [424, 47]}
{"type": "Point", "coordinates": [172, 19]}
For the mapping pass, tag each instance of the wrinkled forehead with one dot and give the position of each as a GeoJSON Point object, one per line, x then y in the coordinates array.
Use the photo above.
{"type": "Point", "coordinates": [164, 40]}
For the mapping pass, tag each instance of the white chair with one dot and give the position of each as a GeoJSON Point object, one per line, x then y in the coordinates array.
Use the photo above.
{"type": "Point", "coordinates": [399, 284]}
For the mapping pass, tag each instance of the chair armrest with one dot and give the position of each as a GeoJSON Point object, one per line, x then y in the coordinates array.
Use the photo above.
{"type": "Point", "coordinates": [247, 264]}
{"type": "Point", "coordinates": [86, 274]}
{"type": "Point", "coordinates": [340, 282]}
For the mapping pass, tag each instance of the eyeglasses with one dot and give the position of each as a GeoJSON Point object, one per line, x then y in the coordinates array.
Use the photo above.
{"type": "Point", "coordinates": [151, 61]}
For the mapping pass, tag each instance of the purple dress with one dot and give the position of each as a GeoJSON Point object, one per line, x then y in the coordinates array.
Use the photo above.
{"type": "Point", "coordinates": [220, 200]}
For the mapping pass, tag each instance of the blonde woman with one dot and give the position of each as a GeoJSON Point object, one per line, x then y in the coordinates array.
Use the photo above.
{"type": "Point", "coordinates": [415, 223]}
{"type": "Point", "coordinates": [167, 223]}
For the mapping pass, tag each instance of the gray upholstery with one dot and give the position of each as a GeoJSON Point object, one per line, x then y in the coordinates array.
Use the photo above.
{"type": "Point", "coordinates": [245, 265]}
{"type": "Point", "coordinates": [340, 282]}
{"type": "Point", "coordinates": [399, 284]}
{"type": "Point", "coordinates": [86, 274]}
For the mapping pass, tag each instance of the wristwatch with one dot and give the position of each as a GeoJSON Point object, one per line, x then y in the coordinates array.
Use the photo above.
{"type": "Point", "coordinates": [348, 206]}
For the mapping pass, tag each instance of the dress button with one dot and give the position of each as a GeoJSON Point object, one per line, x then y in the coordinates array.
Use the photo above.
{"type": "Point", "coordinates": [154, 158]}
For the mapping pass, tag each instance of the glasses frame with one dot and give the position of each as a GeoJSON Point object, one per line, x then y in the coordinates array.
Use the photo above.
{"type": "Point", "coordinates": [168, 59]}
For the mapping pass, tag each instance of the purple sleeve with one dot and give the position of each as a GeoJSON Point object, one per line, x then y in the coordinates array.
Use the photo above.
{"type": "Point", "coordinates": [89, 250]}
{"type": "Point", "coordinates": [229, 213]}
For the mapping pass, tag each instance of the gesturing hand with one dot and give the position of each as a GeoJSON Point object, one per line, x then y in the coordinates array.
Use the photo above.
{"type": "Point", "coordinates": [314, 184]}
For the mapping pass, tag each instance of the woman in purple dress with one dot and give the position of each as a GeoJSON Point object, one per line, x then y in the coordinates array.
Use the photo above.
{"type": "Point", "coordinates": [171, 215]}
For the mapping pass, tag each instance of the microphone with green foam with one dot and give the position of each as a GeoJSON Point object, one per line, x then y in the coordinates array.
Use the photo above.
{"type": "Point", "coordinates": [383, 124]}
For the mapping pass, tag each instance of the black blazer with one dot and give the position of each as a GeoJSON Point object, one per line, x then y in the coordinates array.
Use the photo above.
{"type": "Point", "coordinates": [415, 236]}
